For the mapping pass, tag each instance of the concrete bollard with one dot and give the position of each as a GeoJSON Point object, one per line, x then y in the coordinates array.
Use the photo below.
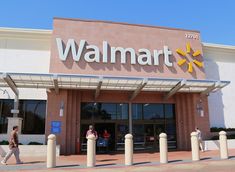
{"type": "Point", "coordinates": [195, 146]}
{"type": "Point", "coordinates": [91, 151]}
{"type": "Point", "coordinates": [223, 145]}
{"type": "Point", "coordinates": [163, 148]}
{"type": "Point", "coordinates": [128, 149]}
{"type": "Point", "coordinates": [51, 151]}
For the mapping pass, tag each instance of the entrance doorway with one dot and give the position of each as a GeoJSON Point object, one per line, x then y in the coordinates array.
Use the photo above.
{"type": "Point", "coordinates": [100, 128]}
{"type": "Point", "coordinates": [148, 121]}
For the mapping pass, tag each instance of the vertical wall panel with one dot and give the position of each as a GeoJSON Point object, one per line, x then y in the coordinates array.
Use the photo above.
{"type": "Point", "coordinates": [185, 106]}
{"type": "Point", "coordinates": [188, 106]}
{"type": "Point", "coordinates": [53, 109]}
{"type": "Point", "coordinates": [68, 124]}
{"type": "Point", "coordinates": [188, 118]}
{"type": "Point", "coordinates": [71, 122]}
{"type": "Point", "coordinates": [178, 123]}
{"type": "Point", "coordinates": [78, 119]}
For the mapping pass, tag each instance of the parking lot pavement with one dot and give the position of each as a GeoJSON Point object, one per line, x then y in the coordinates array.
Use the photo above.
{"type": "Point", "coordinates": [178, 161]}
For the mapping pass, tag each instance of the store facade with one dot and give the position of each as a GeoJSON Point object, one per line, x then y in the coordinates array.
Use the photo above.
{"type": "Point", "coordinates": [122, 78]}
{"type": "Point", "coordinates": [136, 91]}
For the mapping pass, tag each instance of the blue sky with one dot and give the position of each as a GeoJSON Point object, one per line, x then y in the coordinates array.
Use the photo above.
{"type": "Point", "coordinates": [214, 18]}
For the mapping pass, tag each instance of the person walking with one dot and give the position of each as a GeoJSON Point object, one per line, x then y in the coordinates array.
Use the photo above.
{"type": "Point", "coordinates": [91, 131]}
{"type": "Point", "coordinates": [13, 146]}
{"type": "Point", "coordinates": [106, 136]}
{"type": "Point", "coordinates": [199, 134]}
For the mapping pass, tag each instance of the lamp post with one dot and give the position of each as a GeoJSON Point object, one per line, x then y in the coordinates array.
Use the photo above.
{"type": "Point", "coordinates": [5, 92]}
{"type": "Point", "coordinates": [200, 108]}
{"type": "Point", "coordinates": [61, 108]}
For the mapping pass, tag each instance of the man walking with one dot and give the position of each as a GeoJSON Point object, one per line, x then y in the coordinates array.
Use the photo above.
{"type": "Point", "coordinates": [13, 146]}
{"type": "Point", "coordinates": [199, 133]}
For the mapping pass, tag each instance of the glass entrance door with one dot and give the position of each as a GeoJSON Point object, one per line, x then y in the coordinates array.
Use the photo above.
{"type": "Point", "coordinates": [112, 117]}
{"type": "Point", "coordinates": [106, 137]}
{"type": "Point", "coordinates": [150, 137]}
{"type": "Point", "coordinates": [149, 120]}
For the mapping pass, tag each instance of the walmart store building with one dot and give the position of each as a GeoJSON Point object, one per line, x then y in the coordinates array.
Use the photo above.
{"type": "Point", "coordinates": [121, 77]}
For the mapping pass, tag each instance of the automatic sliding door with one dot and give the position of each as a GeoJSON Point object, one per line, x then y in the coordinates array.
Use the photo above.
{"type": "Point", "coordinates": [138, 137]}
{"type": "Point", "coordinates": [122, 130]}
{"type": "Point", "coordinates": [149, 136]}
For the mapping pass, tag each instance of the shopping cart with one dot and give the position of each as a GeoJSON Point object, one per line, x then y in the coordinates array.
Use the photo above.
{"type": "Point", "coordinates": [102, 144]}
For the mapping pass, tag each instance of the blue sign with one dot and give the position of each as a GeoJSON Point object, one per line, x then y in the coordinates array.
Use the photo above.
{"type": "Point", "coordinates": [56, 123]}
{"type": "Point", "coordinates": [55, 127]}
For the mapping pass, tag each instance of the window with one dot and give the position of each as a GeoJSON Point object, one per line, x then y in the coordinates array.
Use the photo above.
{"type": "Point", "coordinates": [153, 111]}
{"type": "Point", "coordinates": [160, 128]}
{"type": "Point", "coordinates": [137, 111]}
{"type": "Point", "coordinates": [171, 131]}
{"type": "Point", "coordinates": [169, 111]}
{"type": "Point", "coordinates": [156, 118]}
{"type": "Point", "coordinates": [87, 110]}
{"type": "Point", "coordinates": [138, 132]}
{"type": "Point", "coordinates": [104, 111]}
{"type": "Point", "coordinates": [5, 111]}
{"type": "Point", "coordinates": [107, 111]}
{"type": "Point", "coordinates": [122, 130]}
{"type": "Point", "coordinates": [33, 114]}
{"type": "Point", "coordinates": [149, 133]}
{"type": "Point", "coordinates": [122, 111]}
{"type": "Point", "coordinates": [84, 128]}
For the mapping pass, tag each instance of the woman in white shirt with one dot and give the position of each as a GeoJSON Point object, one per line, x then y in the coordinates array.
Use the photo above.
{"type": "Point", "coordinates": [199, 135]}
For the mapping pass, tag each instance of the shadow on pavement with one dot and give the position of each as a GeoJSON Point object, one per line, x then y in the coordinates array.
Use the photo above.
{"type": "Point", "coordinates": [104, 160]}
{"type": "Point", "coordinates": [206, 158]}
{"type": "Point", "coordinates": [177, 160]}
{"type": "Point", "coordinates": [140, 163]}
{"type": "Point", "coordinates": [103, 165]}
{"type": "Point", "coordinates": [64, 166]}
{"type": "Point", "coordinates": [34, 162]}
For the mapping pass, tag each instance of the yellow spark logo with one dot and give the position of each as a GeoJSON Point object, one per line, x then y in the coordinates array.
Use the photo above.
{"type": "Point", "coordinates": [184, 60]}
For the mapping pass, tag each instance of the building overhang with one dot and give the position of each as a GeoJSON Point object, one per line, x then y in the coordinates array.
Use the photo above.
{"type": "Point", "coordinates": [98, 83]}
{"type": "Point", "coordinates": [4, 77]}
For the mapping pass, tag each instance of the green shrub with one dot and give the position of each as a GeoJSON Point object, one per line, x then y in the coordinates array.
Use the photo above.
{"type": "Point", "coordinates": [218, 129]}
{"type": "Point", "coordinates": [35, 143]}
{"type": "Point", "coordinates": [4, 142]}
{"type": "Point", "coordinates": [215, 138]}
{"type": "Point", "coordinates": [232, 136]}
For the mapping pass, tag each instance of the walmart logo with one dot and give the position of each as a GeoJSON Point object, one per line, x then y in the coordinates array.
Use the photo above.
{"type": "Point", "coordinates": [189, 57]}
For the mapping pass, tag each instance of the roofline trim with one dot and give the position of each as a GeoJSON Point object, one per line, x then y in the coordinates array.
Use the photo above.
{"type": "Point", "coordinates": [25, 30]}
{"type": "Point", "coordinates": [221, 46]}
{"type": "Point", "coordinates": [123, 23]}
{"type": "Point", "coordinates": [21, 33]}
{"type": "Point", "coordinates": [113, 77]}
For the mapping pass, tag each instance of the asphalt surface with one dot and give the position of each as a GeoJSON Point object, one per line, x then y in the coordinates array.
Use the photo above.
{"type": "Point", "coordinates": [178, 161]}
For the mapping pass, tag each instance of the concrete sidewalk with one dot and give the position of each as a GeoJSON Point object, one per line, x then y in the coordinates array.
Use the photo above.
{"type": "Point", "coordinates": [178, 161]}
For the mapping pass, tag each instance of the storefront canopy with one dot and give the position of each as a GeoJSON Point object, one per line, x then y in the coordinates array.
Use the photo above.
{"type": "Point", "coordinates": [94, 82]}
